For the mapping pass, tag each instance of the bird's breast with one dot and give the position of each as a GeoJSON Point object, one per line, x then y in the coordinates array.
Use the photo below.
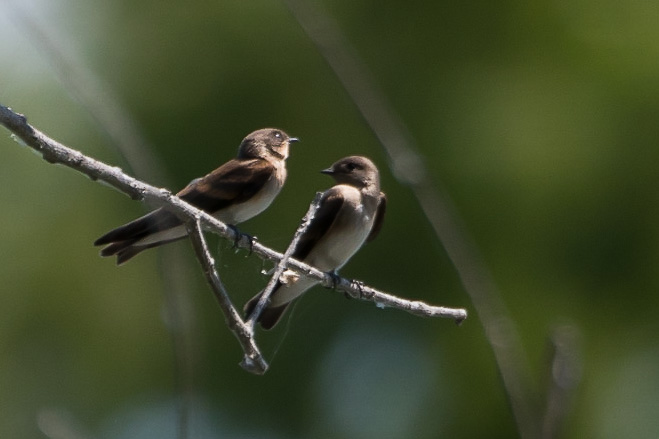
{"type": "Point", "coordinates": [346, 235]}
{"type": "Point", "coordinates": [256, 204]}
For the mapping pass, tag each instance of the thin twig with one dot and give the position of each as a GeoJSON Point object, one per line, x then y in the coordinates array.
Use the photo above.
{"type": "Point", "coordinates": [253, 361]}
{"type": "Point", "coordinates": [54, 152]}
{"type": "Point", "coordinates": [281, 266]}
{"type": "Point", "coordinates": [180, 324]}
{"type": "Point", "coordinates": [408, 167]}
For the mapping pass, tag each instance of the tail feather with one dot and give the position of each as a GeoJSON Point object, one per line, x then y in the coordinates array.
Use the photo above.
{"type": "Point", "coordinates": [123, 240]}
{"type": "Point", "coordinates": [125, 250]}
{"type": "Point", "coordinates": [270, 316]}
{"type": "Point", "coordinates": [128, 253]}
{"type": "Point", "coordinates": [116, 247]}
{"type": "Point", "coordinates": [131, 231]}
{"type": "Point", "coordinates": [139, 228]}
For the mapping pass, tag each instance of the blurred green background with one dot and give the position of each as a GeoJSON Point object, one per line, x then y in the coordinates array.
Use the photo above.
{"type": "Point", "coordinates": [541, 120]}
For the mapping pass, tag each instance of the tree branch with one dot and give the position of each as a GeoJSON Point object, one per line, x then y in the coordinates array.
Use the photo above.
{"type": "Point", "coordinates": [281, 266]}
{"type": "Point", "coordinates": [253, 360]}
{"type": "Point", "coordinates": [54, 152]}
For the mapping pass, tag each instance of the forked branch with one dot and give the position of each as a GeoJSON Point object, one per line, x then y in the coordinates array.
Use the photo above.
{"type": "Point", "coordinates": [195, 219]}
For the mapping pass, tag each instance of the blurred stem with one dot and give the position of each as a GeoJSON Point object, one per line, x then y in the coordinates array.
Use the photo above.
{"type": "Point", "coordinates": [113, 120]}
{"type": "Point", "coordinates": [564, 376]}
{"type": "Point", "coordinates": [408, 167]}
{"type": "Point", "coordinates": [95, 96]}
{"type": "Point", "coordinates": [180, 317]}
{"type": "Point", "coordinates": [56, 423]}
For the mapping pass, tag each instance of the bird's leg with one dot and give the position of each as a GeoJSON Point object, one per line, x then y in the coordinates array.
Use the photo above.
{"type": "Point", "coordinates": [239, 235]}
{"type": "Point", "coordinates": [335, 281]}
{"type": "Point", "coordinates": [335, 278]}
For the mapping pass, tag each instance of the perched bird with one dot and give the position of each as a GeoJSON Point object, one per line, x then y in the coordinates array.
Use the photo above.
{"type": "Point", "coordinates": [349, 214]}
{"type": "Point", "coordinates": [235, 192]}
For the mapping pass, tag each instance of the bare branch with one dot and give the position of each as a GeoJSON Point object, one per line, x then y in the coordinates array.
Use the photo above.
{"type": "Point", "coordinates": [253, 361]}
{"type": "Point", "coordinates": [281, 266]}
{"type": "Point", "coordinates": [408, 167]}
{"type": "Point", "coordinates": [55, 152]}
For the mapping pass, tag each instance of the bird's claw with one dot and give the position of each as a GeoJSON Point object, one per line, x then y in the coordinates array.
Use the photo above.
{"type": "Point", "coordinates": [239, 236]}
{"type": "Point", "coordinates": [360, 286]}
{"type": "Point", "coordinates": [336, 279]}
{"type": "Point", "coordinates": [252, 241]}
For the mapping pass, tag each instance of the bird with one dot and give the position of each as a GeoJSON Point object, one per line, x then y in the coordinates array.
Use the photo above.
{"type": "Point", "coordinates": [238, 190]}
{"type": "Point", "coordinates": [349, 214]}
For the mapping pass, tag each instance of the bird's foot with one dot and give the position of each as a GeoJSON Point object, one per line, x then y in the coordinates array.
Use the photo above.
{"type": "Point", "coordinates": [359, 285]}
{"type": "Point", "coordinates": [239, 236]}
{"type": "Point", "coordinates": [335, 278]}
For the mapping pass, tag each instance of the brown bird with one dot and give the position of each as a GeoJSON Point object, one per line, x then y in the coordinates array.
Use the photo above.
{"type": "Point", "coordinates": [235, 192]}
{"type": "Point", "coordinates": [349, 214]}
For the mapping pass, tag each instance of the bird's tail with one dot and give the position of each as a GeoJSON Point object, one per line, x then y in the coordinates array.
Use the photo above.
{"type": "Point", "coordinates": [270, 316]}
{"type": "Point", "coordinates": [124, 240]}
{"type": "Point", "coordinates": [124, 250]}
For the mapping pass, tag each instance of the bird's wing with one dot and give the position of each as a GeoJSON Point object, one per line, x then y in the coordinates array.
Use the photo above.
{"type": "Point", "coordinates": [379, 218]}
{"type": "Point", "coordinates": [233, 182]}
{"type": "Point", "coordinates": [330, 204]}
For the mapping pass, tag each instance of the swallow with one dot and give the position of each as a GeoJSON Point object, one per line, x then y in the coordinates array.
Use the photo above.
{"type": "Point", "coordinates": [349, 214]}
{"type": "Point", "coordinates": [235, 192]}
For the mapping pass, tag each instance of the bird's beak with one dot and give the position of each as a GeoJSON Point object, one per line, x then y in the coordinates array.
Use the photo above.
{"type": "Point", "coordinates": [293, 139]}
{"type": "Point", "coordinates": [328, 171]}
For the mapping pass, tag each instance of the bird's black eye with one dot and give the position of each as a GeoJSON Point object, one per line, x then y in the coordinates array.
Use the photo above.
{"type": "Point", "coordinates": [352, 166]}
{"type": "Point", "coordinates": [278, 134]}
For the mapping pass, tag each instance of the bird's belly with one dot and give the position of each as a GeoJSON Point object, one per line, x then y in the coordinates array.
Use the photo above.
{"type": "Point", "coordinates": [328, 255]}
{"type": "Point", "coordinates": [258, 203]}
{"type": "Point", "coordinates": [288, 292]}
{"type": "Point", "coordinates": [332, 254]}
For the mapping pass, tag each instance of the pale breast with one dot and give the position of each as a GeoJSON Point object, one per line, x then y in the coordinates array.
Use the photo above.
{"type": "Point", "coordinates": [258, 203]}
{"type": "Point", "coordinates": [347, 234]}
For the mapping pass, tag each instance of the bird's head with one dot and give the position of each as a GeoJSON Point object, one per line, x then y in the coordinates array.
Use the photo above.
{"type": "Point", "coordinates": [266, 143]}
{"type": "Point", "coordinates": [356, 171]}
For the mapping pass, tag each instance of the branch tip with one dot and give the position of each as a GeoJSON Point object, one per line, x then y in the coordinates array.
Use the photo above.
{"type": "Point", "coordinates": [254, 367]}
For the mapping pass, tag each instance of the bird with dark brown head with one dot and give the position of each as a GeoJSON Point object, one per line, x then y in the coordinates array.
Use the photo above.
{"type": "Point", "coordinates": [235, 192]}
{"type": "Point", "coordinates": [349, 214]}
